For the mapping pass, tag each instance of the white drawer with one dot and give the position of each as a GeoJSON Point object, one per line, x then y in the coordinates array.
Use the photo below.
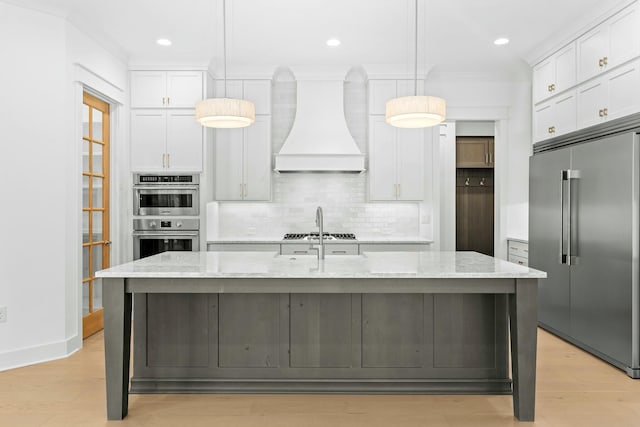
{"type": "Point", "coordinates": [329, 249]}
{"type": "Point", "coordinates": [518, 260]}
{"type": "Point", "coordinates": [519, 249]}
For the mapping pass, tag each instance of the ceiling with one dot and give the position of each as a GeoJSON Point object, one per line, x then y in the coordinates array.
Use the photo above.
{"type": "Point", "coordinates": [455, 35]}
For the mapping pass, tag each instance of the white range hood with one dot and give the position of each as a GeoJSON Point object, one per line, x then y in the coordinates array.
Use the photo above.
{"type": "Point", "coordinates": [319, 140]}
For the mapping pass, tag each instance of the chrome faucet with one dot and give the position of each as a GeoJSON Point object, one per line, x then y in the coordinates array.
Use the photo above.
{"type": "Point", "coordinates": [320, 224]}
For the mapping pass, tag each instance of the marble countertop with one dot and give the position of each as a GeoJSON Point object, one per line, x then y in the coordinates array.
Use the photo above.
{"type": "Point", "coordinates": [365, 240]}
{"type": "Point", "coordinates": [470, 265]}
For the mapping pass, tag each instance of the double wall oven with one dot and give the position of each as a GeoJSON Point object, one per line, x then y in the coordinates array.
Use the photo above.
{"type": "Point", "coordinates": [166, 214]}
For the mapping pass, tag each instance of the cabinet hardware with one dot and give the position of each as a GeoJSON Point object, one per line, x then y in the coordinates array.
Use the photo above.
{"type": "Point", "coordinates": [601, 113]}
{"type": "Point", "coordinates": [482, 181]}
{"type": "Point", "coordinates": [164, 160]}
{"type": "Point", "coordinates": [606, 112]}
{"type": "Point", "coordinates": [552, 129]}
{"type": "Point", "coordinates": [490, 158]}
{"type": "Point", "coordinates": [601, 62]}
{"type": "Point", "coordinates": [168, 100]}
{"type": "Point", "coordinates": [549, 88]}
{"type": "Point", "coordinates": [553, 87]}
{"type": "Point", "coordinates": [300, 252]}
{"type": "Point", "coordinates": [466, 182]}
{"type": "Point", "coordinates": [246, 191]}
{"type": "Point", "coordinates": [486, 157]}
{"type": "Point", "coordinates": [163, 100]}
{"type": "Point", "coordinates": [605, 60]}
{"type": "Point", "coordinates": [168, 160]}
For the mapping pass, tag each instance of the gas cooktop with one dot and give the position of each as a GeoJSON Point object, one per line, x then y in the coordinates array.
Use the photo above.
{"type": "Point", "coordinates": [314, 235]}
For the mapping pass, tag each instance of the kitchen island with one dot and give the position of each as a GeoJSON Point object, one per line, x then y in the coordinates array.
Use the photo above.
{"type": "Point", "coordinates": [384, 322]}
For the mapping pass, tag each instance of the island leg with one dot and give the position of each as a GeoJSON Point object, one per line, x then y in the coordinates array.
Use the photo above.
{"type": "Point", "coordinates": [523, 317]}
{"type": "Point", "coordinates": [117, 346]}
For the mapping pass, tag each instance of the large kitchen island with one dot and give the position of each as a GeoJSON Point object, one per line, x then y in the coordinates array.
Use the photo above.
{"type": "Point", "coordinates": [384, 322]}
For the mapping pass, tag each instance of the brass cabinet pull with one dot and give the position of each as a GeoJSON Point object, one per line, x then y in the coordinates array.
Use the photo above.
{"type": "Point", "coordinates": [552, 129]}
{"type": "Point", "coordinates": [164, 160]}
{"type": "Point", "coordinates": [168, 100]}
{"type": "Point", "coordinates": [163, 100]}
{"type": "Point", "coordinates": [466, 182]}
{"type": "Point", "coordinates": [549, 88]}
{"type": "Point", "coordinates": [601, 62]}
{"type": "Point", "coordinates": [168, 160]}
{"type": "Point", "coordinates": [606, 112]}
{"type": "Point", "coordinates": [605, 60]}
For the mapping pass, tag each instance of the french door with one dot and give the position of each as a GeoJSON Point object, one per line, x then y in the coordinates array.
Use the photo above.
{"type": "Point", "coordinates": [95, 210]}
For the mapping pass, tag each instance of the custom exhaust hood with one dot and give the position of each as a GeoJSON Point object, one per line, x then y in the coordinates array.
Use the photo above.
{"type": "Point", "coordinates": [319, 140]}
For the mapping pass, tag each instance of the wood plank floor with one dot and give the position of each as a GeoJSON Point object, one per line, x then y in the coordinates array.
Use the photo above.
{"type": "Point", "coordinates": [574, 389]}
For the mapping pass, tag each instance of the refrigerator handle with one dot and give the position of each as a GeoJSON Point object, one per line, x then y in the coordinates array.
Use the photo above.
{"type": "Point", "coordinates": [563, 228]}
{"type": "Point", "coordinates": [567, 257]}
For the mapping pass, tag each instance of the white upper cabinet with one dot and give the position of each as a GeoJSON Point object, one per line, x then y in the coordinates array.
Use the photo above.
{"type": "Point", "coordinates": [380, 91]}
{"type": "Point", "coordinates": [396, 162]}
{"type": "Point", "coordinates": [256, 91]}
{"type": "Point", "coordinates": [555, 74]}
{"type": "Point", "coordinates": [166, 89]}
{"type": "Point", "coordinates": [555, 117]}
{"type": "Point", "coordinates": [610, 44]}
{"type": "Point", "coordinates": [243, 162]}
{"type": "Point", "coordinates": [165, 140]}
{"type": "Point", "coordinates": [613, 95]}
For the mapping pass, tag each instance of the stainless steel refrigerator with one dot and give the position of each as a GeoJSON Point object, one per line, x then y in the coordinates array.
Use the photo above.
{"type": "Point", "coordinates": [583, 231]}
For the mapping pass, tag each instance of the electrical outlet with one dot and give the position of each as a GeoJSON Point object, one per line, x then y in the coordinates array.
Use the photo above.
{"type": "Point", "coordinates": [3, 314]}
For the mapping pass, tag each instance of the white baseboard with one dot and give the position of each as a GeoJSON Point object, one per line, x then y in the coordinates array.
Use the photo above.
{"type": "Point", "coordinates": [39, 353]}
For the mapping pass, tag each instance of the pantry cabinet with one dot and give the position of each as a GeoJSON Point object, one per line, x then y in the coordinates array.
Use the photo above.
{"type": "Point", "coordinates": [396, 162]}
{"type": "Point", "coordinates": [243, 162]}
{"type": "Point", "coordinates": [475, 152]}
{"type": "Point", "coordinates": [165, 140]}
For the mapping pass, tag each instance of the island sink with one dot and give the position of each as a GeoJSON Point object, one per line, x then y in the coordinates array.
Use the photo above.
{"type": "Point", "coordinates": [383, 322]}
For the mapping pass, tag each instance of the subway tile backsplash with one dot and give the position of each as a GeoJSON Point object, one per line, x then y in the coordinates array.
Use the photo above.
{"type": "Point", "coordinates": [296, 197]}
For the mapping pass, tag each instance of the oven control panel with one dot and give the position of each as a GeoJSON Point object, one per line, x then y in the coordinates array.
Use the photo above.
{"type": "Point", "coordinates": [165, 224]}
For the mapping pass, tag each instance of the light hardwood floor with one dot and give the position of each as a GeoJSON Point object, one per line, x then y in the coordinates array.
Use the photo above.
{"type": "Point", "coordinates": [574, 389]}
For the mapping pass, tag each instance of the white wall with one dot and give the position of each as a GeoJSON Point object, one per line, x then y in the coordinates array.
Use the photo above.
{"type": "Point", "coordinates": [41, 182]}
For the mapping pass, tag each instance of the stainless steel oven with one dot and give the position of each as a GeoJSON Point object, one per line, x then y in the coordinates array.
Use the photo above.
{"type": "Point", "coordinates": [166, 195]}
{"type": "Point", "coordinates": [155, 235]}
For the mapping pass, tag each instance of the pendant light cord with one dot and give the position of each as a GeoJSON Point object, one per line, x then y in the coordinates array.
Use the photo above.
{"type": "Point", "coordinates": [224, 45]}
{"type": "Point", "coordinates": [415, 69]}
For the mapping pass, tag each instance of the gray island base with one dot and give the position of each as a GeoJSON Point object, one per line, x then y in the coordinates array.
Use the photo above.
{"type": "Point", "coordinates": [385, 322]}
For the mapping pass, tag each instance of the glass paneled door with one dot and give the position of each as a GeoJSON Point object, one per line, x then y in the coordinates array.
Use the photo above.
{"type": "Point", "coordinates": [95, 210]}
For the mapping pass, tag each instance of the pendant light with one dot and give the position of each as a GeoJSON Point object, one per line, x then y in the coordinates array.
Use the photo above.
{"type": "Point", "coordinates": [415, 111]}
{"type": "Point", "coordinates": [225, 112]}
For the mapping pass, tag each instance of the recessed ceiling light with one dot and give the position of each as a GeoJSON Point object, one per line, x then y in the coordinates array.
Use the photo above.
{"type": "Point", "coordinates": [164, 42]}
{"type": "Point", "coordinates": [501, 41]}
{"type": "Point", "coordinates": [333, 42]}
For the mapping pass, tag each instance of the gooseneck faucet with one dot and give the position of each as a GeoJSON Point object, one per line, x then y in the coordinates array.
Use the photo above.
{"type": "Point", "coordinates": [319, 223]}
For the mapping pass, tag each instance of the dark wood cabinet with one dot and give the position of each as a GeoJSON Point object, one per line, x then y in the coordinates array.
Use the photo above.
{"type": "Point", "coordinates": [475, 152]}
{"type": "Point", "coordinates": [474, 210]}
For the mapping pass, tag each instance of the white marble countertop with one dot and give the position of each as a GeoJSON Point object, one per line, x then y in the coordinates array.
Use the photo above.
{"type": "Point", "coordinates": [470, 265]}
{"type": "Point", "coordinates": [365, 240]}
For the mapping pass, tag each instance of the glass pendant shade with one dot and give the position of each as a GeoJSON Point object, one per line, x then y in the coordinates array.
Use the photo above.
{"type": "Point", "coordinates": [415, 111]}
{"type": "Point", "coordinates": [225, 113]}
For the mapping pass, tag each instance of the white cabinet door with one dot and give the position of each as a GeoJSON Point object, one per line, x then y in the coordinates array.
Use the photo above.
{"type": "Point", "coordinates": [407, 88]}
{"type": "Point", "coordinates": [592, 48]}
{"type": "Point", "coordinates": [184, 89]}
{"type": "Point", "coordinates": [565, 68]}
{"type": "Point", "coordinates": [233, 89]}
{"type": "Point", "coordinates": [229, 164]}
{"type": "Point", "coordinates": [624, 90]}
{"type": "Point", "coordinates": [258, 92]}
{"type": "Point", "coordinates": [380, 91]}
{"type": "Point", "coordinates": [624, 36]}
{"type": "Point", "coordinates": [148, 89]}
{"type": "Point", "coordinates": [591, 100]}
{"type": "Point", "coordinates": [382, 160]}
{"type": "Point", "coordinates": [564, 114]}
{"type": "Point", "coordinates": [543, 77]}
{"type": "Point", "coordinates": [148, 136]}
{"type": "Point", "coordinates": [257, 160]}
{"type": "Point", "coordinates": [184, 141]}
{"type": "Point", "coordinates": [542, 121]}
{"type": "Point", "coordinates": [410, 164]}
{"type": "Point", "coordinates": [610, 44]}
{"type": "Point", "coordinates": [555, 117]}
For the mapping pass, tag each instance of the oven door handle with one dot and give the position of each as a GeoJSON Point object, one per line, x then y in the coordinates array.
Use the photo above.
{"type": "Point", "coordinates": [165, 187]}
{"type": "Point", "coordinates": [168, 233]}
